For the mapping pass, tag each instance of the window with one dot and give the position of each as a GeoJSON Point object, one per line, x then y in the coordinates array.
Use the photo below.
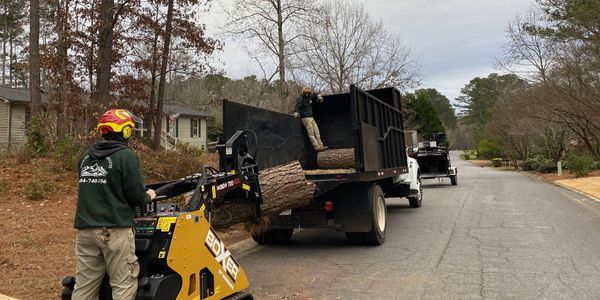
{"type": "Point", "coordinates": [194, 127]}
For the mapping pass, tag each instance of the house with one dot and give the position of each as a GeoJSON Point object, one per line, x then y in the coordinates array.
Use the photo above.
{"type": "Point", "coordinates": [184, 125]}
{"type": "Point", "coordinates": [14, 113]}
{"type": "Point", "coordinates": [180, 124]}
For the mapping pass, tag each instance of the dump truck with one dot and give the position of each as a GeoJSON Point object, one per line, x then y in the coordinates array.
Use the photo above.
{"type": "Point", "coordinates": [349, 200]}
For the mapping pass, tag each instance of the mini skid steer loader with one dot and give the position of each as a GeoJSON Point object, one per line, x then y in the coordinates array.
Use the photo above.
{"type": "Point", "coordinates": [180, 255]}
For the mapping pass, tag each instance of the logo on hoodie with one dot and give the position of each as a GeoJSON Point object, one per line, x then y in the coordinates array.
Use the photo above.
{"type": "Point", "coordinates": [93, 174]}
{"type": "Point", "coordinates": [93, 171]}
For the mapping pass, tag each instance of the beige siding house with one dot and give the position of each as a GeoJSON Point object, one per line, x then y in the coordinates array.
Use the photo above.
{"type": "Point", "coordinates": [14, 113]}
{"type": "Point", "coordinates": [185, 125]}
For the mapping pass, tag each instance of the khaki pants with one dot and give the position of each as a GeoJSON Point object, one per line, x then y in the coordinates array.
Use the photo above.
{"type": "Point", "coordinates": [100, 251]}
{"type": "Point", "coordinates": [313, 132]}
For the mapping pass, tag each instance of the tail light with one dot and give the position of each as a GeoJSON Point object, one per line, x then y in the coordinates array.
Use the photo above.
{"type": "Point", "coordinates": [328, 206]}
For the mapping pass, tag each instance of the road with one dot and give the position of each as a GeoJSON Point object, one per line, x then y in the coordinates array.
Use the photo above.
{"type": "Point", "coordinates": [498, 234]}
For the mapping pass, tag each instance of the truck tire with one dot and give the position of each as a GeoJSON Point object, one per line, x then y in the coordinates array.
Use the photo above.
{"type": "Point", "coordinates": [416, 201]}
{"type": "Point", "coordinates": [376, 236]}
{"type": "Point", "coordinates": [274, 236]}
{"type": "Point", "coordinates": [454, 179]}
{"type": "Point", "coordinates": [355, 237]}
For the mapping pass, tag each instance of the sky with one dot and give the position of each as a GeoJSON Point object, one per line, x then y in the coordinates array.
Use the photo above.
{"type": "Point", "coordinates": [453, 41]}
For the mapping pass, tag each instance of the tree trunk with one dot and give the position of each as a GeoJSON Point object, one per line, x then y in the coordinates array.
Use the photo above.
{"type": "Point", "coordinates": [151, 112]}
{"type": "Point", "coordinates": [105, 42]}
{"type": "Point", "coordinates": [283, 187]}
{"type": "Point", "coordinates": [63, 92]}
{"type": "Point", "coordinates": [163, 77]}
{"type": "Point", "coordinates": [336, 159]}
{"type": "Point", "coordinates": [5, 28]}
{"type": "Point", "coordinates": [11, 63]}
{"type": "Point", "coordinates": [283, 91]}
{"type": "Point", "coordinates": [34, 56]}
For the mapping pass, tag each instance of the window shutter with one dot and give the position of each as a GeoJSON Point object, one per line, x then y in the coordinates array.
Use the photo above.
{"type": "Point", "coordinates": [191, 127]}
{"type": "Point", "coordinates": [177, 127]}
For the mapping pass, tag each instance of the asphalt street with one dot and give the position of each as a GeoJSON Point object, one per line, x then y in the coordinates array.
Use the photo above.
{"type": "Point", "coordinates": [498, 234]}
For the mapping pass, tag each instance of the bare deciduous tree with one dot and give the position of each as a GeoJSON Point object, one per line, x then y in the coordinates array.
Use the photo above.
{"type": "Point", "coordinates": [344, 45]}
{"type": "Point", "coordinates": [273, 23]}
{"type": "Point", "coordinates": [527, 52]}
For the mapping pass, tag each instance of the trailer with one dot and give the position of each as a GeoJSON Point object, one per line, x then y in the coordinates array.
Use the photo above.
{"type": "Point", "coordinates": [350, 200]}
{"type": "Point", "coordinates": [434, 160]}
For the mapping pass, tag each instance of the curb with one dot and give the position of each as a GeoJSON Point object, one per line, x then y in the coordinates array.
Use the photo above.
{"type": "Point", "coordinates": [4, 297]}
{"type": "Point", "coordinates": [575, 190]}
{"type": "Point", "coordinates": [535, 176]}
{"type": "Point", "coordinates": [241, 248]}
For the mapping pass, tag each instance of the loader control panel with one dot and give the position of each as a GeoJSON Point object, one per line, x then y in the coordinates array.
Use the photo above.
{"type": "Point", "coordinates": [144, 227]}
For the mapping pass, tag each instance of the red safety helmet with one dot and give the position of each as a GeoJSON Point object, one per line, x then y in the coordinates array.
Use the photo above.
{"type": "Point", "coordinates": [118, 120]}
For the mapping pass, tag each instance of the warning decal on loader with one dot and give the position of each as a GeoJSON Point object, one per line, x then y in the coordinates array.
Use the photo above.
{"type": "Point", "coordinates": [164, 223]}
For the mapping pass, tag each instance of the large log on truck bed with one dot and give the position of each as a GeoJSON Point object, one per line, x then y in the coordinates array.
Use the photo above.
{"type": "Point", "coordinates": [283, 187]}
{"type": "Point", "coordinates": [336, 159]}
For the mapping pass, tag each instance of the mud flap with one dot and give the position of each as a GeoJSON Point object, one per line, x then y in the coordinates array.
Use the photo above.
{"type": "Point", "coordinates": [352, 207]}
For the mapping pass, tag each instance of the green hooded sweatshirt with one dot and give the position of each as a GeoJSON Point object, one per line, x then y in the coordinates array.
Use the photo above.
{"type": "Point", "coordinates": [304, 105]}
{"type": "Point", "coordinates": [110, 185]}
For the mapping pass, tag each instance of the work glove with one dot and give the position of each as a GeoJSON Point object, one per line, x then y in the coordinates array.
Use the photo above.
{"type": "Point", "coordinates": [296, 115]}
{"type": "Point", "coordinates": [319, 98]}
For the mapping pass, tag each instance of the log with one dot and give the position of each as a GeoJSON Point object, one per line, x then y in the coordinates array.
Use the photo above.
{"type": "Point", "coordinates": [336, 159]}
{"type": "Point", "coordinates": [283, 187]}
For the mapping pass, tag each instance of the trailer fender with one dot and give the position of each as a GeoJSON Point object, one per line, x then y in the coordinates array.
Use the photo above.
{"type": "Point", "coordinates": [452, 171]}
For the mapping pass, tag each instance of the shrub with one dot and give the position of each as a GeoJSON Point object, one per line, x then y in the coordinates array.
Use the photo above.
{"type": "Point", "coordinates": [496, 162]}
{"type": "Point", "coordinates": [540, 163]}
{"type": "Point", "coordinates": [546, 166]}
{"type": "Point", "coordinates": [37, 137]}
{"type": "Point", "coordinates": [68, 151]}
{"type": "Point", "coordinates": [529, 164]}
{"type": "Point", "coordinates": [580, 165]}
{"type": "Point", "coordinates": [596, 165]}
{"type": "Point", "coordinates": [466, 156]}
{"type": "Point", "coordinates": [488, 150]}
{"type": "Point", "coordinates": [38, 189]}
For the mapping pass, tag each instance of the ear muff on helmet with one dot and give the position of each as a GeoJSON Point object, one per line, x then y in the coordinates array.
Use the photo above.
{"type": "Point", "coordinates": [127, 130]}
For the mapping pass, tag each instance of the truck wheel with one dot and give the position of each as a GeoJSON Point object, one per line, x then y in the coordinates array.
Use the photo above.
{"type": "Point", "coordinates": [376, 236]}
{"type": "Point", "coordinates": [355, 237]}
{"type": "Point", "coordinates": [415, 201]}
{"type": "Point", "coordinates": [274, 236]}
{"type": "Point", "coordinates": [454, 179]}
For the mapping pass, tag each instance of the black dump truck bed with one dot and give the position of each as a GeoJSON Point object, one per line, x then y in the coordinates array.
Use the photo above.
{"type": "Point", "coordinates": [353, 200]}
{"type": "Point", "coordinates": [370, 122]}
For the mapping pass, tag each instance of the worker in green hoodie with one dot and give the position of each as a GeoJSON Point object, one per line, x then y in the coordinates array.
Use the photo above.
{"type": "Point", "coordinates": [304, 111]}
{"type": "Point", "coordinates": [110, 187]}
